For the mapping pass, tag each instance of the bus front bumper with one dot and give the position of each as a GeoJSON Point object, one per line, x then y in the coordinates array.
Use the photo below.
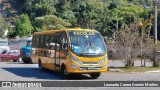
{"type": "Point", "coordinates": [86, 69]}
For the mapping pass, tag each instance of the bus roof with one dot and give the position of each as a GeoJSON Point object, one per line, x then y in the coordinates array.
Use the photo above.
{"type": "Point", "coordinates": [69, 29]}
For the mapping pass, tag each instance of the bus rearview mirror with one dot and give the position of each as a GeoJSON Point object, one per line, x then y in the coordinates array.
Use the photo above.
{"type": "Point", "coordinates": [105, 40]}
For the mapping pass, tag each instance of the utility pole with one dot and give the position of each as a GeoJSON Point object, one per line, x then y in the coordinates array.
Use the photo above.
{"type": "Point", "coordinates": [155, 3]}
{"type": "Point", "coordinates": [155, 61]}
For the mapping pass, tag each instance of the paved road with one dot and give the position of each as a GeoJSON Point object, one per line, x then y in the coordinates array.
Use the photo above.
{"type": "Point", "coordinates": [16, 71]}
{"type": "Point", "coordinates": [19, 71]}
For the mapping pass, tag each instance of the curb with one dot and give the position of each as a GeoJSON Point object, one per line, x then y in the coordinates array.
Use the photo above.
{"type": "Point", "coordinates": [115, 70]}
{"type": "Point", "coordinates": [154, 71]}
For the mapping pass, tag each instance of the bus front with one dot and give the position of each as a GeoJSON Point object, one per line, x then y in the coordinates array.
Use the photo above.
{"type": "Point", "coordinates": [25, 51]}
{"type": "Point", "coordinates": [88, 53]}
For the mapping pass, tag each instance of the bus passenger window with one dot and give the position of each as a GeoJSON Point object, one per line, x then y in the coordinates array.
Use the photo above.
{"type": "Point", "coordinates": [52, 52]}
{"type": "Point", "coordinates": [57, 47]}
{"type": "Point", "coordinates": [52, 46]}
{"type": "Point", "coordinates": [64, 43]}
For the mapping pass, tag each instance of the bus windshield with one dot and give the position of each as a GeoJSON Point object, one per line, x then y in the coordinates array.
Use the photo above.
{"type": "Point", "coordinates": [86, 43]}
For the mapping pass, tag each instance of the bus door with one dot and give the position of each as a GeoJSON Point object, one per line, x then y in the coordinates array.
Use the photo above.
{"type": "Point", "coordinates": [57, 56]}
{"type": "Point", "coordinates": [61, 50]}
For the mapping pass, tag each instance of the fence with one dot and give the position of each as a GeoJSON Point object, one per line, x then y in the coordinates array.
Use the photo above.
{"type": "Point", "coordinates": [17, 43]}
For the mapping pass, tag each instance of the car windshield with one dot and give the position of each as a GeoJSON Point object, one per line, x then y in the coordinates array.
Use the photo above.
{"type": "Point", "coordinates": [29, 43]}
{"type": "Point", "coordinates": [86, 43]}
{"type": "Point", "coordinates": [3, 43]}
{"type": "Point", "coordinates": [4, 52]}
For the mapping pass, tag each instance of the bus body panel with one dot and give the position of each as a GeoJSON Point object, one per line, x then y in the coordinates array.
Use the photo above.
{"type": "Point", "coordinates": [87, 63]}
{"type": "Point", "coordinates": [54, 58]}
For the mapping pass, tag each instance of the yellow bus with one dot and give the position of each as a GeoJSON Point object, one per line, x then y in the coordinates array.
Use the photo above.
{"type": "Point", "coordinates": [70, 51]}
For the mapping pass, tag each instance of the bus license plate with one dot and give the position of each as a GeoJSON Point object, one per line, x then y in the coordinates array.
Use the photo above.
{"type": "Point", "coordinates": [91, 68]}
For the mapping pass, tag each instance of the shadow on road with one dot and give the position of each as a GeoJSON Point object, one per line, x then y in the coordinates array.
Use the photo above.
{"type": "Point", "coordinates": [36, 73]}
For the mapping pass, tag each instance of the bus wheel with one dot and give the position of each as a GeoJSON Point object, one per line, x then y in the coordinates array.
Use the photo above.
{"type": "Point", "coordinates": [64, 72]}
{"type": "Point", "coordinates": [95, 75]}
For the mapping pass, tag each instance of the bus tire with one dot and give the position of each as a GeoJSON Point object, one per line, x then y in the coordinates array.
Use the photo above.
{"type": "Point", "coordinates": [64, 72]}
{"type": "Point", "coordinates": [95, 75]}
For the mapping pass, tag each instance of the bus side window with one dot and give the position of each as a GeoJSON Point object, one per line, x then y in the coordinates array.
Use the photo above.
{"type": "Point", "coordinates": [64, 43]}
{"type": "Point", "coordinates": [47, 41]}
{"type": "Point", "coordinates": [52, 45]}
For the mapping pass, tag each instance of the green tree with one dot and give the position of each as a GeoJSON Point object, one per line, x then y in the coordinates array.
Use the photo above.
{"type": "Point", "coordinates": [121, 16]}
{"type": "Point", "coordinates": [23, 26]}
{"type": "Point", "coordinates": [117, 3]}
{"type": "Point", "coordinates": [37, 8]}
{"type": "Point", "coordinates": [142, 2]}
{"type": "Point", "coordinates": [107, 16]}
{"type": "Point", "coordinates": [3, 26]}
{"type": "Point", "coordinates": [89, 13]}
{"type": "Point", "coordinates": [49, 22]}
{"type": "Point", "coordinates": [69, 15]}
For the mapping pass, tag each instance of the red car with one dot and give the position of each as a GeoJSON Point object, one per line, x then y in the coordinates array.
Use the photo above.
{"type": "Point", "coordinates": [10, 55]}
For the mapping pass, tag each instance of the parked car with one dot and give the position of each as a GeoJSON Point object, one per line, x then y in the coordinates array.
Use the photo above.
{"type": "Point", "coordinates": [10, 55]}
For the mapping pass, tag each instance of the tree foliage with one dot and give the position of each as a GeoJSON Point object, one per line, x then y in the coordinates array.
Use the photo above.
{"type": "Point", "coordinates": [106, 16]}
{"type": "Point", "coordinates": [3, 26]}
{"type": "Point", "coordinates": [23, 26]}
{"type": "Point", "coordinates": [49, 22]}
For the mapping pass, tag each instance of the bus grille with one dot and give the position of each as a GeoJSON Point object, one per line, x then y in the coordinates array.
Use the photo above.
{"type": "Point", "coordinates": [23, 53]}
{"type": "Point", "coordinates": [90, 62]}
{"type": "Point", "coordinates": [90, 68]}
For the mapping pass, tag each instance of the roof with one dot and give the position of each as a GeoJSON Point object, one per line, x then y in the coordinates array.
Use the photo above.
{"type": "Point", "coordinates": [60, 30]}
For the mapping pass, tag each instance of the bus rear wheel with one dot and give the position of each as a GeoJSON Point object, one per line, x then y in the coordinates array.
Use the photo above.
{"type": "Point", "coordinates": [95, 75]}
{"type": "Point", "coordinates": [64, 72]}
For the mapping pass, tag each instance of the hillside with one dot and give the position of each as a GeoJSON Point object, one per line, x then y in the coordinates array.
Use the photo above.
{"type": "Point", "coordinates": [106, 16]}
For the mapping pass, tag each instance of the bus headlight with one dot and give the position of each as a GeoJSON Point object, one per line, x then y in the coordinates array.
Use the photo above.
{"type": "Point", "coordinates": [105, 65]}
{"type": "Point", "coordinates": [75, 59]}
{"type": "Point", "coordinates": [106, 58]}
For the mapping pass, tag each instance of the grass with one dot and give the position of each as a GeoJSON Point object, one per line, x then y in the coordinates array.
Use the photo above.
{"type": "Point", "coordinates": [137, 69]}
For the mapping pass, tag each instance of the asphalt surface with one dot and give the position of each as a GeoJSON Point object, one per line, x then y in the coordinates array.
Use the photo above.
{"type": "Point", "coordinates": [18, 71]}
